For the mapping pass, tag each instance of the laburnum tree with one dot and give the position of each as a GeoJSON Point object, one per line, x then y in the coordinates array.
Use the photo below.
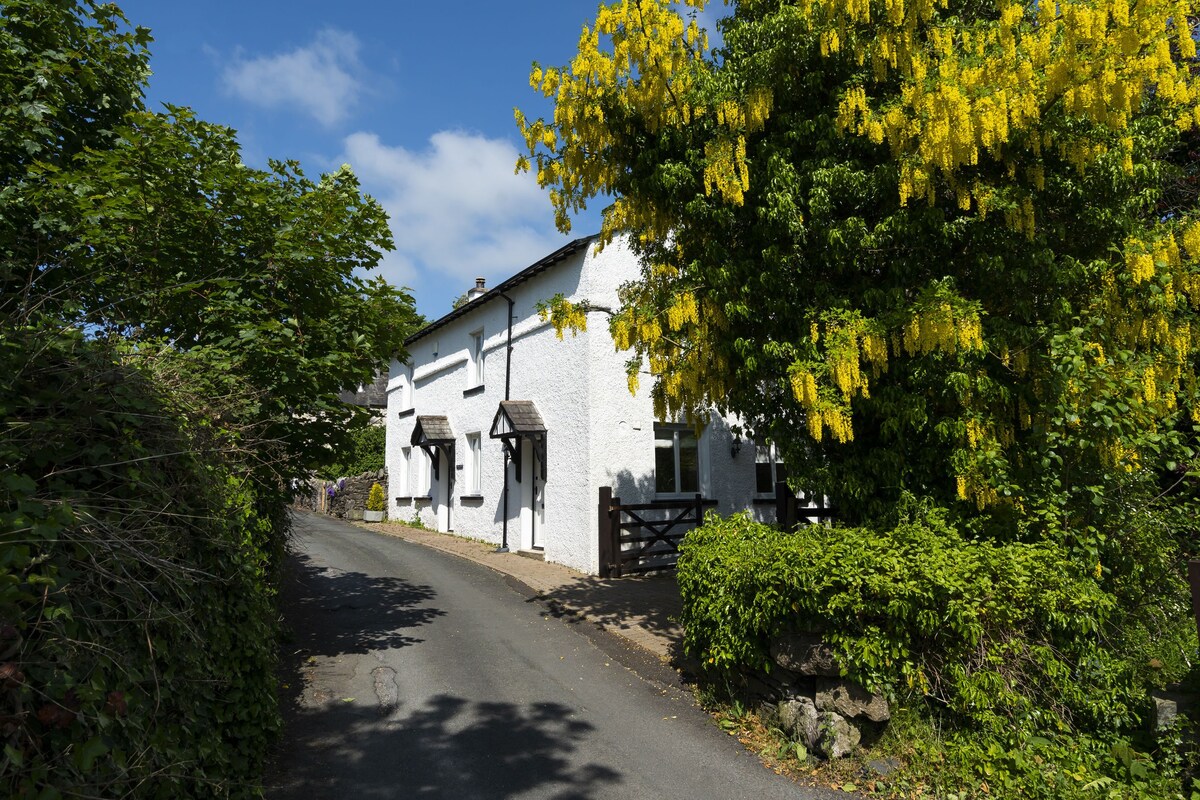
{"type": "Point", "coordinates": [935, 247]}
{"type": "Point", "coordinates": [945, 254]}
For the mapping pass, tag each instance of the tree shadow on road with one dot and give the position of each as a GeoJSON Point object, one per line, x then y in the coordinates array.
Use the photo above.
{"type": "Point", "coordinates": [449, 748]}
{"type": "Point", "coordinates": [650, 602]}
{"type": "Point", "coordinates": [332, 613]}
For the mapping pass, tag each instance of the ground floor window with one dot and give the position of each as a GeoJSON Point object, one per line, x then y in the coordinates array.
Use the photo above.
{"type": "Point", "coordinates": [474, 463]}
{"type": "Point", "coordinates": [405, 466]}
{"type": "Point", "coordinates": [676, 460]}
{"type": "Point", "coordinates": [769, 468]}
{"type": "Point", "coordinates": [422, 471]}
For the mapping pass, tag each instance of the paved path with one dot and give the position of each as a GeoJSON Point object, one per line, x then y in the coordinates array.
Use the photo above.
{"type": "Point", "coordinates": [641, 609]}
{"type": "Point", "coordinates": [416, 674]}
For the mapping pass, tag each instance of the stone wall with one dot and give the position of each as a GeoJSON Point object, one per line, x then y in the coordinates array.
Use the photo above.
{"type": "Point", "coordinates": [828, 714]}
{"type": "Point", "coordinates": [344, 497]}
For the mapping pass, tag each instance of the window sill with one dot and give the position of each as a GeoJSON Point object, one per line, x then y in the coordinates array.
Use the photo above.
{"type": "Point", "coordinates": [408, 412]}
{"type": "Point", "coordinates": [404, 499]}
{"type": "Point", "coordinates": [471, 497]}
{"type": "Point", "coordinates": [474, 390]}
{"type": "Point", "coordinates": [423, 498]}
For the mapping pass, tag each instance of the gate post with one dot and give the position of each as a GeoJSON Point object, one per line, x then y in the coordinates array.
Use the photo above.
{"type": "Point", "coordinates": [604, 527]}
{"type": "Point", "coordinates": [784, 506]}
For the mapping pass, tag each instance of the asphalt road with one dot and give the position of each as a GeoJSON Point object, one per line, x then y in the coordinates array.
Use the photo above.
{"type": "Point", "coordinates": [414, 674]}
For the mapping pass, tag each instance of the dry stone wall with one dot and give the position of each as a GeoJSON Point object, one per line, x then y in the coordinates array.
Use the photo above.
{"type": "Point", "coordinates": [344, 497]}
{"type": "Point", "coordinates": [812, 702]}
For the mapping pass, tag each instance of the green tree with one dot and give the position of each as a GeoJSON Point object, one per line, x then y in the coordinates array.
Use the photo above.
{"type": "Point", "coordinates": [175, 327]}
{"type": "Point", "coordinates": [936, 248]}
{"type": "Point", "coordinates": [167, 236]}
{"type": "Point", "coordinates": [364, 452]}
{"type": "Point", "coordinates": [943, 250]}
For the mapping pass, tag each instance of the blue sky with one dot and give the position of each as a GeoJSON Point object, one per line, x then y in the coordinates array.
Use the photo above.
{"type": "Point", "coordinates": [416, 97]}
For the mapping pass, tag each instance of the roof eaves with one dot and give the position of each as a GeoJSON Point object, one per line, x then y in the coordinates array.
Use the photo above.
{"type": "Point", "coordinates": [533, 269]}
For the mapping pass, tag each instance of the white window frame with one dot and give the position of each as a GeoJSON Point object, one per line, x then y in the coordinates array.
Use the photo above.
{"type": "Point", "coordinates": [474, 482]}
{"type": "Point", "coordinates": [405, 471]}
{"type": "Point", "coordinates": [475, 365]}
{"type": "Point", "coordinates": [676, 430]}
{"type": "Point", "coordinates": [767, 453]}
{"type": "Point", "coordinates": [422, 473]}
{"type": "Point", "coordinates": [405, 376]}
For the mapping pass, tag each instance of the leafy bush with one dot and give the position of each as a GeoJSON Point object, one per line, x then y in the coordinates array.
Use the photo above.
{"type": "Point", "coordinates": [363, 452]}
{"type": "Point", "coordinates": [137, 633]}
{"type": "Point", "coordinates": [1019, 763]}
{"type": "Point", "coordinates": [375, 501]}
{"type": "Point", "coordinates": [991, 634]}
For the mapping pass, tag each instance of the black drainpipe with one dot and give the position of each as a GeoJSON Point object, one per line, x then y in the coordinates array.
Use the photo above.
{"type": "Point", "coordinates": [507, 385]}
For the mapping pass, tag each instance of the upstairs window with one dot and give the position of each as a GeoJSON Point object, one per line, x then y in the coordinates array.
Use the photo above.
{"type": "Point", "coordinates": [676, 460]}
{"type": "Point", "coordinates": [769, 468]}
{"type": "Point", "coordinates": [475, 367]}
{"type": "Point", "coordinates": [405, 388]}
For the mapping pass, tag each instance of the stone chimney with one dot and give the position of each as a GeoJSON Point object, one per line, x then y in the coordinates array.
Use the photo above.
{"type": "Point", "coordinates": [479, 291]}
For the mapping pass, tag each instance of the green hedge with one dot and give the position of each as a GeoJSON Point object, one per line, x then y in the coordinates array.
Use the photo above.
{"type": "Point", "coordinates": [1014, 670]}
{"type": "Point", "coordinates": [990, 632]}
{"type": "Point", "coordinates": [137, 622]}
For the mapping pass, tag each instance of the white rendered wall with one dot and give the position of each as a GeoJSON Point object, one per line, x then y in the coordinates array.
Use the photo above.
{"type": "Point", "coordinates": [598, 433]}
{"type": "Point", "coordinates": [545, 370]}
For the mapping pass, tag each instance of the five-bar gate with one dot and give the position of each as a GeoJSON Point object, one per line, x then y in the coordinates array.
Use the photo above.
{"type": "Point", "coordinates": [643, 537]}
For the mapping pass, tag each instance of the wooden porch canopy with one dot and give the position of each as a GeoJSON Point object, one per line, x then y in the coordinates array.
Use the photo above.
{"type": "Point", "coordinates": [516, 420]}
{"type": "Point", "coordinates": [431, 434]}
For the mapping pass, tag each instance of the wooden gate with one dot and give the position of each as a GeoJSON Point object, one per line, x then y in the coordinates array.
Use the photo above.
{"type": "Point", "coordinates": [790, 511]}
{"type": "Point", "coordinates": [643, 537]}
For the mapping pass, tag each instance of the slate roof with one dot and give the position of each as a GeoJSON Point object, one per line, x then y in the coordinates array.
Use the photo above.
{"type": "Point", "coordinates": [373, 395]}
{"type": "Point", "coordinates": [523, 415]}
{"type": "Point", "coordinates": [432, 430]}
{"type": "Point", "coordinates": [537, 267]}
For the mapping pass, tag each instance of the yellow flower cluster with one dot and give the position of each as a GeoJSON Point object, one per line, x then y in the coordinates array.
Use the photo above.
{"type": "Point", "coordinates": [1115, 455]}
{"type": "Point", "coordinates": [973, 487]}
{"type": "Point", "coordinates": [725, 171]}
{"type": "Point", "coordinates": [683, 311]}
{"type": "Point", "coordinates": [563, 315]}
{"type": "Point", "coordinates": [670, 331]}
{"type": "Point", "coordinates": [940, 328]}
{"type": "Point", "coordinates": [827, 387]}
{"type": "Point", "coordinates": [804, 387]}
{"type": "Point", "coordinates": [645, 49]}
{"type": "Point", "coordinates": [970, 89]}
{"type": "Point", "coordinates": [649, 54]}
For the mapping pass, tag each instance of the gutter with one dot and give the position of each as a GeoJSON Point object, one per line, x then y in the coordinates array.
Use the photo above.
{"type": "Point", "coordinates": [503, 548]}
{"type": "Point", "coordinates": [567, 250]}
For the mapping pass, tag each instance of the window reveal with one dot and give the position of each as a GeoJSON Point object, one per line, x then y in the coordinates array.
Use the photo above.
{"type": "Point", "coordinates": [676, 460]}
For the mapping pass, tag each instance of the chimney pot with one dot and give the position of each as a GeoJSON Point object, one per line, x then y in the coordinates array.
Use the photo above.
{"type": "Point", "coordinates": [479, 290]}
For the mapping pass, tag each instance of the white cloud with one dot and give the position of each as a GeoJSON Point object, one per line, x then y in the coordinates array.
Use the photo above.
{"type": "Point", "coordinates": [322, 78]}
{"type": "Point", "coordinates": [457, 211]}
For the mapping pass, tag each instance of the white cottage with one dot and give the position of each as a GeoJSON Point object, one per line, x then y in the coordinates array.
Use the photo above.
{"type": "Point", "coordinates": [498, 430]}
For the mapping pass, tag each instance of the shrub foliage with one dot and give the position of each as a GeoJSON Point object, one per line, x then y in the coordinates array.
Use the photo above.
{"type": "Point", "coordinates": [175, 327]}
{"type": "Point", "coordinates": [138, 626]}
{"type": "Point", "coordinates": [1006, 642]}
